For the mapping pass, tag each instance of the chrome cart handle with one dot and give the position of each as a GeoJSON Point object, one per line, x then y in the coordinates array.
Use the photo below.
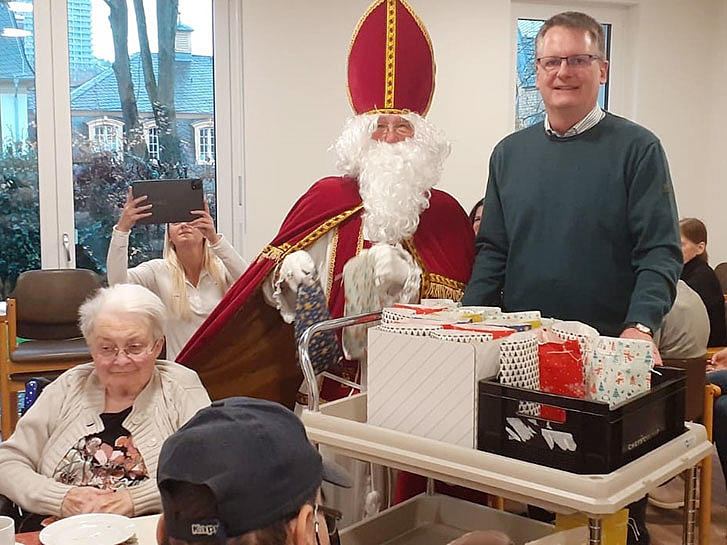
{"type": "Point", "coordinates": [304, 356]}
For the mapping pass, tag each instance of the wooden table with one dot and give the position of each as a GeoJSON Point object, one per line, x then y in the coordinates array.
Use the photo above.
{"type": "Point", "coordinates": [28, 538]}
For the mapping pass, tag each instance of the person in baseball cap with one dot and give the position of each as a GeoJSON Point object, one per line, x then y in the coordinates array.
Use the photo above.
{"type": "Point", "coordinates": [242, 471]}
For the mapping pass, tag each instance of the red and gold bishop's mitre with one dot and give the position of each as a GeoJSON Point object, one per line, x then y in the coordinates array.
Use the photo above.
{"type": "Point", "coordinates": [391, 61]}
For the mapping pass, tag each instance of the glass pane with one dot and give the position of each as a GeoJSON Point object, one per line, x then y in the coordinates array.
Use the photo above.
{"type": "Point", "coordinates": [529, 108]}
{"type": "Point", "coordinates": [118, 60]}
{"type": "Point", "coordinates": [19, 205]}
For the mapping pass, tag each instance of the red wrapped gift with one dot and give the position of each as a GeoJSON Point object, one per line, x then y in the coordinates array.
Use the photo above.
{"type": "Point", "coordinates": [561, 372]}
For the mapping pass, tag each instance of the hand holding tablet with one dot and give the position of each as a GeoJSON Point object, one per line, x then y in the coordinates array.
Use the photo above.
{"type": "Point", "coordinates": [134, 210]}
{"type": "Point", "coordinates": [205, 223]}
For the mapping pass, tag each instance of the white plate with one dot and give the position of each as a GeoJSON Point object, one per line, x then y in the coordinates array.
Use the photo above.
{"type": "Point", "coordinates": [90, 529]}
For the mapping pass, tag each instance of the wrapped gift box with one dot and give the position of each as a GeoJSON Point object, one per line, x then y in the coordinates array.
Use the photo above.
{"type": "Point", "coordinates": [621, 369]}
{"type": "Point", "coordinates": [519, 366]}
{"type": "Point", "coordinates": [587, 338]}
{"type": "Point", "coordinates": [423, 386]}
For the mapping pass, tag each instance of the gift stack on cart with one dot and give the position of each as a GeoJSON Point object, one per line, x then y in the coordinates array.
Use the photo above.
{"type": "Point", "coordinates": [540, 411]}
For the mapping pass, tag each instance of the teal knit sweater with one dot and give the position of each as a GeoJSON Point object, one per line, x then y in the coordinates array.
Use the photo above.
{"type": "Point", "coordinates": [582, 228]}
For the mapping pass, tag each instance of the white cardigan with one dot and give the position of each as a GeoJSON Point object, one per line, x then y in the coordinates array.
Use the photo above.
{"type": "Point", "coordinates": [155, 276]}
{"type": "Point", "coordinates": [69, 409]}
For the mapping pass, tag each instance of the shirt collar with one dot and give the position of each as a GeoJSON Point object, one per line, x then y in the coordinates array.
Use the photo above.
{"type": "Point", "coordinates": [202, 274]}
{"type": "Point", "coordinates": [591, 120]}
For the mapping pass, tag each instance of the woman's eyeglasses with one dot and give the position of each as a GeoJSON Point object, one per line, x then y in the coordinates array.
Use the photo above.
{"type": "Point", "coordinates": [109, 353]}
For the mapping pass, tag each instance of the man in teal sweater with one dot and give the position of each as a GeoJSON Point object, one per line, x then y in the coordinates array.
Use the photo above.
{"type": "Point", "coordinates": [580, 220]}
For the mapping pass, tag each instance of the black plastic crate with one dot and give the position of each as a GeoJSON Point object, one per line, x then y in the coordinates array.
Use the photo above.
{"type": "Point", "coordinates": [593, 439]}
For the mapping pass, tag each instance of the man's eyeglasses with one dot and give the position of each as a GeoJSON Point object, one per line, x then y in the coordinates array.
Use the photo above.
{"type": "Point", "coordinates": [402, 128]}
{"type": "Point", "coordinates": [331, 516]}
{"type": "Point", "coordinates": [550, 64]}
{"type": "Point", "coordinates": [109, 353]}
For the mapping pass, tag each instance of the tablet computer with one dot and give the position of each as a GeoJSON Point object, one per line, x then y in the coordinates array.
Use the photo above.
{"type": "Point", "coordinates": [171, 200]}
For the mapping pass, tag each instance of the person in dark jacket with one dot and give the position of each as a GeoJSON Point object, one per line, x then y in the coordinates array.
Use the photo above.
{"type": "Point", "coordinates": [701, 278]}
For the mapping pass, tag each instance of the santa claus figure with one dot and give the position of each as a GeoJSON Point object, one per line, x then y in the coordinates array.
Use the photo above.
{"type": "Point", "coordinates": [377, 234]}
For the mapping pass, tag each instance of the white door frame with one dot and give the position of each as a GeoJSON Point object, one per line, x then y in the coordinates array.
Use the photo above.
{"type": "Point", "coordinates": [229, 128]}
{"type": "Point", "coordinates": [55, 175]}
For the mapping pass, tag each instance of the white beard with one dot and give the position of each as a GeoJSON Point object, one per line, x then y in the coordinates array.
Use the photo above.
{"type": "Point", "coordinates": [394, 186]}
{"type": "Point", "coordinates": [394, 179]}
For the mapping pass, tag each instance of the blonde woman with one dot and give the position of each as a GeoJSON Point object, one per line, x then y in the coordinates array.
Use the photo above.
{"type": "Point", "coordinates": [199, 266]}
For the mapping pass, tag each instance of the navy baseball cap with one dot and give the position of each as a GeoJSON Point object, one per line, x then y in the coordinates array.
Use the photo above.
{"type": "Point", "coordinates": [256, 459]}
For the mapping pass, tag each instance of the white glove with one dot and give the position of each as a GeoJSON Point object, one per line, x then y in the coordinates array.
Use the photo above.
{"type": "Point", "coordinates": [392, 268]}
{"type": "Point", "coordinates": [296, 269]}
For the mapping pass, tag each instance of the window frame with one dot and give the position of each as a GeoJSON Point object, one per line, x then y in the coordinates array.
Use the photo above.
{"type": "Point", "coordinates": [201, 137]}
{"type": "Point", "coordinates": [148, 126]}
{"type": "Point", "coordinates": [107, 122]}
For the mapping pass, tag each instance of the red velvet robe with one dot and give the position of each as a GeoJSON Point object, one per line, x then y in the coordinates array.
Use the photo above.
{"type": "Point", "coordinates": [245, 348]}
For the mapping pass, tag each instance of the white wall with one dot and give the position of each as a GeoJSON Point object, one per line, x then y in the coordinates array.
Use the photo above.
{"type": "Point", "coordinates": [714, 184]}
{"type": "Point", "coordinates": [295, 96]}
{"type": "Point", "coordinates": [681, 82]}
{"type": "Point", "coordinates": [294, 101]}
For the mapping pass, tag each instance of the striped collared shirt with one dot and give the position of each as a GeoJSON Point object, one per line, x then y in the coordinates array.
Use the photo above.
{"type": "Point", "coordinates": [591, 120]}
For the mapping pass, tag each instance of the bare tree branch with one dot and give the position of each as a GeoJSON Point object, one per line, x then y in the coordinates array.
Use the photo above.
{"type": "Point", "coordinates": [118, 18]}
{"type": "Point", "coordinates": [167, 13]}
{"type": "Point", "coordinates": [145, 52]}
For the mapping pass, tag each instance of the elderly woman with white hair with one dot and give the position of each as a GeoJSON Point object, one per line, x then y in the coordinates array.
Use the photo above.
{"type": "Point", "coordinates": [91, 441]}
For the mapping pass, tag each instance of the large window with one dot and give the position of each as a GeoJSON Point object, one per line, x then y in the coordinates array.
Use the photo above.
{"type": "Point", "coordinates": [19, 191]}
{"type": "Point", "coordinates": [140, 81]}
{"type": "Point", "coordinates": [77, 123]}
{"type": "Point", "coordinates": [529, 108]}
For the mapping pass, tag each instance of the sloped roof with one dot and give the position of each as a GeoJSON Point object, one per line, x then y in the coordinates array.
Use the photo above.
{"type": "Point", "coordinates": [193, 87]}
{"type": "Point", "coordinates": [13, 62]}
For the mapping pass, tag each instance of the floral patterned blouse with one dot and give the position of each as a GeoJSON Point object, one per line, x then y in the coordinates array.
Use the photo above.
{"type": "Point", "coordinates": [106, 460]}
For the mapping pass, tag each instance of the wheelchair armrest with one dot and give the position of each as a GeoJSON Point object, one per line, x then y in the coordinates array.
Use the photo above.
{"type": "Point", "coordinates": [9, 509]}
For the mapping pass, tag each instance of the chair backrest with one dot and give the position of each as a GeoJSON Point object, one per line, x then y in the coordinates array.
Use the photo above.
{"type": "Point", "coordinates": [48, 300]}
{"type": "Point", "coordinates": [696, 371]}
{"type": "Point", "coordinates": [721, 272]}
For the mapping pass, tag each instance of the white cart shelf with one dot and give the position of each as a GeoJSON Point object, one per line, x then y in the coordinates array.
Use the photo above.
{"type": "Point", "coordinates": [342, 426]}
